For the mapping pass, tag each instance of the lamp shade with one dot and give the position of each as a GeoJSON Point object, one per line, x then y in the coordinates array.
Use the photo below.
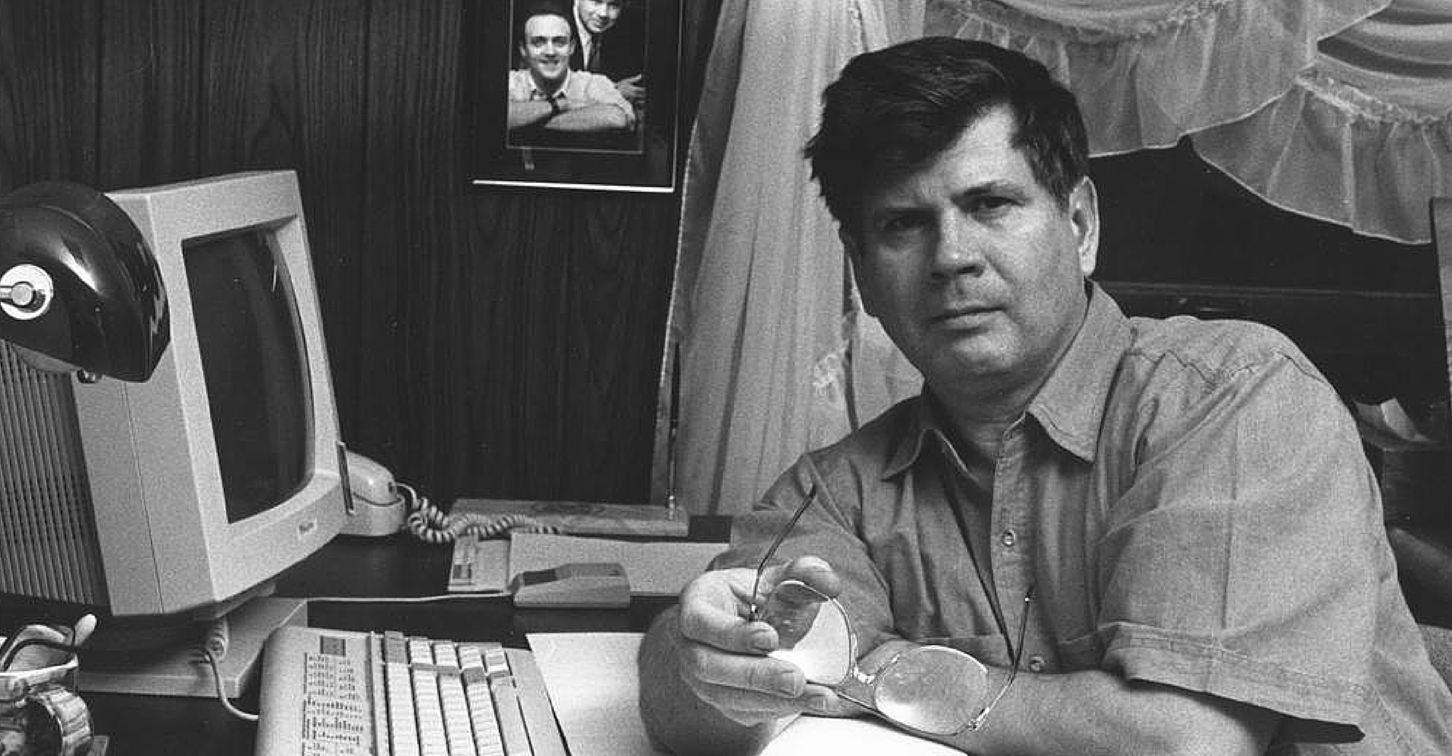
{"type": "Point", "coordinates": [78, 283]}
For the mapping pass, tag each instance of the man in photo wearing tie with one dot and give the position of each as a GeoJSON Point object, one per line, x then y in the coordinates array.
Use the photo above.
{"type": "Point", "coordinates": [546, 96]}
{"type": "Point", "coordinates": [611, 43]}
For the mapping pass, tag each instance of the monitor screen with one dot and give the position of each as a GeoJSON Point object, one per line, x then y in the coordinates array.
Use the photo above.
{"type": "Point", "coordinates": [253, 362]}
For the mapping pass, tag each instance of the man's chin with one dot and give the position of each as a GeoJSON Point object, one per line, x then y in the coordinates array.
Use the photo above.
{"type": "Point", "coordinates": [976, 361]}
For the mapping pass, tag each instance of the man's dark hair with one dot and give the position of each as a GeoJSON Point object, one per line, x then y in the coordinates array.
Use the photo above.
{"type": "Point", "coordinates": [894, 109]}
{"type": "Point", "coordinates": [527, 9]}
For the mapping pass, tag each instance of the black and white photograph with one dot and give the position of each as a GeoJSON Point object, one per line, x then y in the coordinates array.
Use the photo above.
{"type": "Point", "coordinates": [580, 95]}
{"type": "Point", "coordinates": [726, 377]}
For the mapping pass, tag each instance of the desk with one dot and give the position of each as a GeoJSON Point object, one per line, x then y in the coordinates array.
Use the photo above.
{"type": "Point", "coordinates": [396, 566]}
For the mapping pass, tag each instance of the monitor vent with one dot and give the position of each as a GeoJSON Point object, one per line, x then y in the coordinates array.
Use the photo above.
{"type": "Point", "coordinates": [48, 546]}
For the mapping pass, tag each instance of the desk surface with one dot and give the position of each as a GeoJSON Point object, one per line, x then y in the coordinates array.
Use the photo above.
{"type": "Point", "coordinates": [352, 569]}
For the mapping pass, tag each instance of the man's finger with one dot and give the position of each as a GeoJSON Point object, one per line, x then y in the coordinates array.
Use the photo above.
{"type": "Point", "coordinates": [814, 571]}
{"type": "Point", "coordinates": [747, 689]}
{"type": "Point", "coordinates": [760, 674]}
{"type": "Point", "coordinates": [712, 612]}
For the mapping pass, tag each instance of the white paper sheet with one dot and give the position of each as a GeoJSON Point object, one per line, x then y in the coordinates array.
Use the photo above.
{"type": "Point", "coordinates": [810, 736]}
{"type": "Point", "coordinates": [595, 689]}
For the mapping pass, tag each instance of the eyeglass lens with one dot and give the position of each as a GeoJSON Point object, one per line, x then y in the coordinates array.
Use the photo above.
{"type": "Point", "coordinates": [932, 689]}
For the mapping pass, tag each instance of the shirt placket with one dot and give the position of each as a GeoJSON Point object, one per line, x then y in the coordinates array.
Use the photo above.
{"type": "Point", "coordinates": [1012, 544]}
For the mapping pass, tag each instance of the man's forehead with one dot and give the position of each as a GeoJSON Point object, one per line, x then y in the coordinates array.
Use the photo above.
{"type": "Point", "coordinates": [546, 25]}
{"type": "Point", "coordinates": [983, 157]}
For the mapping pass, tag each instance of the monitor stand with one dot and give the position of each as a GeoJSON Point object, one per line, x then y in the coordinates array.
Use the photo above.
{"type": "Point", "coordinates": [182, 670]}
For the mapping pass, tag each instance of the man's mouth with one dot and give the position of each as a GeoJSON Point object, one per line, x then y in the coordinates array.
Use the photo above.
{"type": "Point", "coordinates": [963, 315]}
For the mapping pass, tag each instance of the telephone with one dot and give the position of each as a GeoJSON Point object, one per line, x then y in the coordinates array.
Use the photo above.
{"type": "Point", "coordinates": [374, 505]}
{"type": "Point", "coordinates": [377, 505]}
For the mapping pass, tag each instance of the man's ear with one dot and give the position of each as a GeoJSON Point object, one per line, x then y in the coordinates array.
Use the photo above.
{"type": "Point", "coordinates": [1084, 216]}
{"type": "Point", "coordinates": [854, 258]}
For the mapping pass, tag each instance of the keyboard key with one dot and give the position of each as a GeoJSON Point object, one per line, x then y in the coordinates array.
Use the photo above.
{"type": "Point", "coordinates": [336, 693]}
{"type": "Point", "coordinates": [506, 703]}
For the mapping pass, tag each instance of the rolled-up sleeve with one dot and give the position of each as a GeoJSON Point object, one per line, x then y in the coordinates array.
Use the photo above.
{"type": "Point", "coordinates": [599, 89]}
{"type": "Point", "coordinates": [1245, 559]}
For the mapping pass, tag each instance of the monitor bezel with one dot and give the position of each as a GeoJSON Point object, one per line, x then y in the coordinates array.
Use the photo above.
{"type": "Point", "coordinates": [166, 543]}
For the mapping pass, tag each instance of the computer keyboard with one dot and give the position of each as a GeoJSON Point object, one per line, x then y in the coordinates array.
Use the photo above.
{"type": "Point", "coordinates": [339, 693]}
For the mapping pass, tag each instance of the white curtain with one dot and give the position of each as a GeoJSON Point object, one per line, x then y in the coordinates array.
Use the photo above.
{"type": "Point", "coordinates": [1363, 138]}
{"type": "Point", "coordinates": [762, 307]}
{"type": "Point", "coordinates": [1336, 109]}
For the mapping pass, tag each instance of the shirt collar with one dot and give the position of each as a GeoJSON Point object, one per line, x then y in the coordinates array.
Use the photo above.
{"type": "Point", "coordinates": [535, 91]}
{"type": "Point", "coordinates": [1069, 406]}
{"type": "Point", "coordinates": [583, 30]}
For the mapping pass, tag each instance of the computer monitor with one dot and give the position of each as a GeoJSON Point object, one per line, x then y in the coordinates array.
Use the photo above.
{"type": "Point", "coordinates": [163, 504]}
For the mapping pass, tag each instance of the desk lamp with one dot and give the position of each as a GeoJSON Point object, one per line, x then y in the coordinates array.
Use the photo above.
{"type": "Point", "coordinates": [79, 289]}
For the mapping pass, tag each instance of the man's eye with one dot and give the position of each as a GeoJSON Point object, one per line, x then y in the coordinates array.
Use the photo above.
{"type": "Point", "coordinates": [990, 204]}
{"type": "Point", "coordinates": [899, 224]}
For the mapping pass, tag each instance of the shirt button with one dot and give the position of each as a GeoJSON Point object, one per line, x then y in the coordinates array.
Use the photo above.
{"type": "Point", "coordinates": [1008, 538]}
{"type": "Point", "coordinates": [1036, 663]}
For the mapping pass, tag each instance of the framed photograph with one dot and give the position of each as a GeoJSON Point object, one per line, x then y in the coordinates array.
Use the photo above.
{"type": "Point", "coordinates": [576, 94]}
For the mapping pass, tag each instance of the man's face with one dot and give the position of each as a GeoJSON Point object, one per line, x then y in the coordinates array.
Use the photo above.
{"type": "Point", "coordinates": [546, 48]}
{"type": "Point", "coordinates": [598, 15]}
{"type": "Point", "coordinates": [973, 267]}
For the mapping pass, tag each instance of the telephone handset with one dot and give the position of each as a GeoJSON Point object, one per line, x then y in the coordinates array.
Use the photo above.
{"type": "Point", "coordinates": [370, 481]}
{"type": "Point", "coordinates": [374, 505]}
{"type": "Point", "coordinates": [377, 505]}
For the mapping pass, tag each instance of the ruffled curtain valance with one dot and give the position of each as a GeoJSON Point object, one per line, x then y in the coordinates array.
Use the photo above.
{"type": "Point", "coordinates": [1336, 109]}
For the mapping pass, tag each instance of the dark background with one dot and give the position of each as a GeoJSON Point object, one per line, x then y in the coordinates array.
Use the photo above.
{"type": "Point", "coordinates": [1179, 236]}
{"type": "Point", "coordinates": [501, 343]}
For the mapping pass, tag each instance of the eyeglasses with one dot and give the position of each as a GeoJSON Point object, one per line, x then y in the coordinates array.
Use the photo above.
{"type": "Point", "coordinates": [933, 689]}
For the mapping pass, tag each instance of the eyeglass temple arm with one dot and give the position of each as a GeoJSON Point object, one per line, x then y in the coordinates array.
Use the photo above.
{"type": "Point", "coordinates": [1017, 652]}
{"type": "Point", "coordinates": [771, 550]}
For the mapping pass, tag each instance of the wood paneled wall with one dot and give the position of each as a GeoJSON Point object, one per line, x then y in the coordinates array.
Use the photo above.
{"type": "Point", "coordinates": [501, 344]}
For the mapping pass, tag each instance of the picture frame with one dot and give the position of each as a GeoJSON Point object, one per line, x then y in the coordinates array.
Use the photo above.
{"type": "Point", "coordinates": [512, 136]}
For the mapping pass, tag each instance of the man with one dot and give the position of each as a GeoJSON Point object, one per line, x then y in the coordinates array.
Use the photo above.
{"type": "Point", "coordinates": [609, 46]}
{"type": "Point", "coordinates": [545, 95]}
{"type": "Point", "coordinates": [1186, 502]}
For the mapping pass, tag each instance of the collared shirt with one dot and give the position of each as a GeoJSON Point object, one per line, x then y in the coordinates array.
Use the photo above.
{"type": "Point", "coordinates": [579, 86]}
{"type": "Point", "coordinates": [587, 39]}
{"type": "Point", "coordinates": [1191, 505]}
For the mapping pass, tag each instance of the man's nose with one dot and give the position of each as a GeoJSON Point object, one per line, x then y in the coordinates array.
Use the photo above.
{"type": "Point", "coordinates": [958, 250]}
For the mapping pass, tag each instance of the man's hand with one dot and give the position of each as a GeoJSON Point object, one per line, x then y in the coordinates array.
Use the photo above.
{"type": "Point", "coordinates": [632, 89]}
{"type": "Point", "coordinates": [723, 657]}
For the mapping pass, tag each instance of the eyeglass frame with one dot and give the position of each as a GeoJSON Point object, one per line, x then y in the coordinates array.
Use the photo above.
{"type": "Point", "coordinates": [1015, 650]}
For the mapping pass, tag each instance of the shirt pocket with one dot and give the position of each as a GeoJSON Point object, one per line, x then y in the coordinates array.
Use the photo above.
{"type": "Point", "coordinates": [1080, 653]}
